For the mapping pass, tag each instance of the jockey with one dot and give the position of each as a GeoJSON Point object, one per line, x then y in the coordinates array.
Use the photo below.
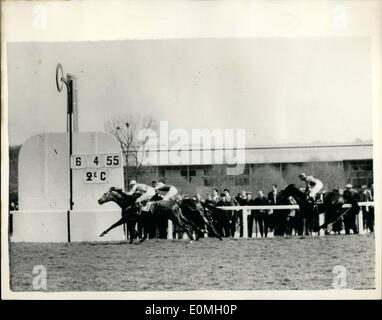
{"type": "Point", "coordinates": [170, 190]}
{"type": "Point", "coordinates": [313, 185]}
{"type": "Point", "coordinates": [147, 191]}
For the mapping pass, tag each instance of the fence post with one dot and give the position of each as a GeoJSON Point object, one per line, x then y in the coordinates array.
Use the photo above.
{"type": "Point", "coordinates": [321, 221]}
{"type": "Point", "coordinates": [169, 229]}
{"type": "Point", "coordinates": [360, 221]}
{"type": "Point", "coordinates": [255, 221]}
{"type": "Point", "coordinates": [245, 223]}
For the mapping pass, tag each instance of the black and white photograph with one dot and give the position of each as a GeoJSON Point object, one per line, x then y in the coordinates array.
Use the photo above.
{"type": "Point", "coordinates": [182, 149]}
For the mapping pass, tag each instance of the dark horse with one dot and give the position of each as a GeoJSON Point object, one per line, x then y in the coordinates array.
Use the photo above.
{"type": "Point", "coordinates": [309, 211]}
{"type": "Point", "coordinates": [195, 212]}
{"type": "Point", "coordinates": [333, 202]}
{"type": "Point", "coordinates": [132, 213]}
{"type": "Point", "coordinates": [331, 206]}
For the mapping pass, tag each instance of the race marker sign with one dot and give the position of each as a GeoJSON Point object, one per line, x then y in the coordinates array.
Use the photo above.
{"type": "Point", "coordinates": [96, 175]}
{"type": "Point", "coordinates": [96, 167]}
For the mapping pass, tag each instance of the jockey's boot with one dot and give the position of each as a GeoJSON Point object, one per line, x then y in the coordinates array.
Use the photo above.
{"type": "Point", "coordinates": [139, 206]}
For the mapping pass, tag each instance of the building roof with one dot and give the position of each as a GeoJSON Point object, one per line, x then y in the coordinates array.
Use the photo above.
{"type": "Point", "coordinates": [261, 154]}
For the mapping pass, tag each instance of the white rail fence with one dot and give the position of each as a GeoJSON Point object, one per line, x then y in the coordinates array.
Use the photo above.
{"type": "Point", "coordinates": [246, 210]}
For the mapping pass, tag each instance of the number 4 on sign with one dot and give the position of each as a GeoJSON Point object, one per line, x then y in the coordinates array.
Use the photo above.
{"type": "Point", "coordinates": [96, 160]}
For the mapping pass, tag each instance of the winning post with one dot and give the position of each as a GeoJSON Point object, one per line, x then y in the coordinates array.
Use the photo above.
{"type": "Point", "coordinates": [71, 124]}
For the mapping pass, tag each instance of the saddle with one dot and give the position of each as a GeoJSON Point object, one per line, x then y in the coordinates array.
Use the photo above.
{"type": "Point", "coordinates": [146, 205]}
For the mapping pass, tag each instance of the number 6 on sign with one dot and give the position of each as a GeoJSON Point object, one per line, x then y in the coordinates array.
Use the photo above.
{"type": "Point", "coordinates": [78, 162]}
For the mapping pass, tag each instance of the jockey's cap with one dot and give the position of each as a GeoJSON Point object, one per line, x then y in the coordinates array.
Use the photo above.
{"type": "Point", "coordinates": [302, 175]}
{"type": "Point", "coordinates": [349, 186]}
{"type": "Point", "coordinates": [133, 182]}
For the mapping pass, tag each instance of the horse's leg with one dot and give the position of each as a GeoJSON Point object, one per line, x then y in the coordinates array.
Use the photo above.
{"type": "Point", "coordinates": [125, 230]}
{"type": "Point", "coordinates": [133, 232]}
{"type": "Point", "coordinates": [193, 225]}
{"type": "Point", "coordinates": [199, 232]}
{"type": "Point", "coordinates": [304, 227]}
{"type": "Point", "coordinates": [208, 225]}
{"type": "Point", "coordinates": [144, 225]}
{"type": "Point", "coordinates": [180, 220]}
{"type": "Point", "coordinates": [211, 225]}
{"type": "Point", "coordinates": [118, 223]}
{"type": "Point", "coordinates": [189, 222]}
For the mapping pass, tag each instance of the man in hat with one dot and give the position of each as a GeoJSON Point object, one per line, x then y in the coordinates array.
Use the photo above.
{"type": "Point", "coordinates": [313, 185]}
{"type": "Point", "coordinates": [351, 197]}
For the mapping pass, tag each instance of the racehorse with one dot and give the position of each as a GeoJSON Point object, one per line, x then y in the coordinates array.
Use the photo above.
{"type": "Point", "coordinates": [332, 206]}
{"type": "Point", "coordinates": [132, 212]}
{"type": "Point", "coordinates": [195, 212]}
{"type": "Point", "coordinates": [309, 210]}
{"type": "Point", "coordinates": [333, 202]}
{"type": "Point", "coordinates": [217, 217]}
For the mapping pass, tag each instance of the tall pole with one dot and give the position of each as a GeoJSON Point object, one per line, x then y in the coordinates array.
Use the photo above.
{"type": "Point", "coordinates": [70, 131]}
{"type": "Point", "coordinates": [68, 81]}
{"type": "Point", "coordinates": [69, 87]}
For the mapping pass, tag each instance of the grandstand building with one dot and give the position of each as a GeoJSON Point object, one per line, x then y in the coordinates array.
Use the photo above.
{"type": "Point", "coordinates": [335, 164]}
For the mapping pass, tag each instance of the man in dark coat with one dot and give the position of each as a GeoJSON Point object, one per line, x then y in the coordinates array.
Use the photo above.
{"type": "Point", "coordinates": [351, 197]}
{"type": "Point", "coordinates": [261, 216]}
{"type": "Point", "coordinates": [242, 201]}
{"type": "Point", "coordinates": [251, 215]}
{"type": "Point", "coordinates": [278, 219]}
{"type": "Point", "coordinates": [230, 201]}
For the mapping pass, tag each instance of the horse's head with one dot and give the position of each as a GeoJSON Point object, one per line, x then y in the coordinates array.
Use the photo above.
{"type": "Point", "coordinates": [113, 194]}
{"type": "Point", "coordinates": [298, 195]}
{"type": "Point", "coordinates": [283, 197]}
{"type": "Point", "coordinates": [290, 190]}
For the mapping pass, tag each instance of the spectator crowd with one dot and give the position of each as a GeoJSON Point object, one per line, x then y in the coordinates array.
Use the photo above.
{"type": "Point", "coordinates": [286, 222]}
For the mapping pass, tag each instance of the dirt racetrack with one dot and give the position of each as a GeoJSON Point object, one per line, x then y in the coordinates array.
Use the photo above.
{"type": "Point", "coordinates": [232, 264]}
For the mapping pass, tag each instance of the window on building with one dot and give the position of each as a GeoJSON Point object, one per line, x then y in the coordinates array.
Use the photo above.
{"type": "Point", "coordinates": [161, 172]}
{"type": "Point", "coordinates": [208, 170]}
{"type": "Point", "coordinates": [359, 172]}
{"type": "Point", "coordinates": [209, 181]}
{"type": "Point", "coordinates": [183, 171]}
{"type": "Point", "coordinates": [242, 181]}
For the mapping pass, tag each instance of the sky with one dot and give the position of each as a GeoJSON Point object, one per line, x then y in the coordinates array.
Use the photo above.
{"type": "Point", "coordinates": [280, 90]}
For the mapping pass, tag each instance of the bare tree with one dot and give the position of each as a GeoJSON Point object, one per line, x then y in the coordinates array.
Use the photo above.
{"type": "Point", "coordinates": [125, 128]}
